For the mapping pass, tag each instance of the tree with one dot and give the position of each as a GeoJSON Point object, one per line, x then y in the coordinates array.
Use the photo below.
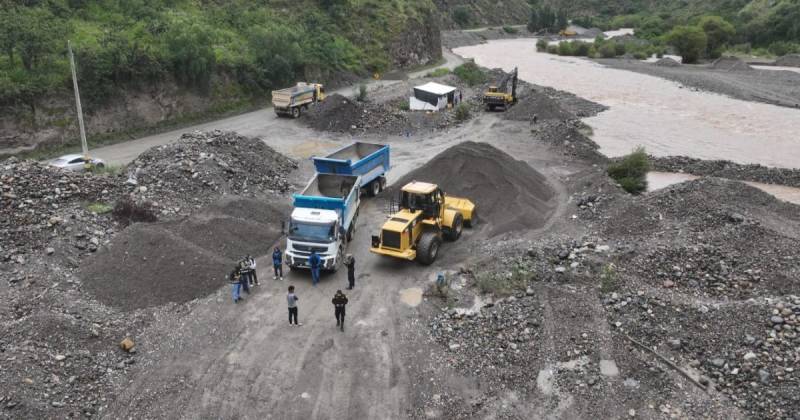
{"type": "Point", "coordinates": [631, 171]}
{"type": "Point", "coordinates": [462, 16]}
{"type": "Point", "coordinates": [533, 21]}
{"type": "Point", "coordinates": [190, 48]}
{"type": "Point", "coordinates": [690, 41]}
{"type": "Point", "coordinates": [718, 33]}
{"type": "Point", "coordinates": [561, 20]}
{"type": "Point", "coordinates": [34, 33]}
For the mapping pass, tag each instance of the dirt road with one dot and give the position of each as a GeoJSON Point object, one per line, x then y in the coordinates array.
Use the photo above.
{"type": "Point", "coordinates": [281, 133]}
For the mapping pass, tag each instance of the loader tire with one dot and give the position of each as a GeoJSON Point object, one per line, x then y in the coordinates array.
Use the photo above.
{"type": "Point", "coordinates": [454, 232]}
{"type": "Point", "coordinates": [473, 221]}
{"type": "Point", "coordinates": [428, 248]}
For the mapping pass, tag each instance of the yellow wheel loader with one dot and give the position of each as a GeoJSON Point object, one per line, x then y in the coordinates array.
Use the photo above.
{"type": "Point", "coordinates": [424, 216]}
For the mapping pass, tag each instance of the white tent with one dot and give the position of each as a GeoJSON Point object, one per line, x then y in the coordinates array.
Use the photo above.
{"type": "Point", "coordinates": [431, 97]}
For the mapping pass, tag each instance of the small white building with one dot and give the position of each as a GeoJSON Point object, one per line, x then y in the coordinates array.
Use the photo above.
{"type": "Point", "coordinates": [432, 97]}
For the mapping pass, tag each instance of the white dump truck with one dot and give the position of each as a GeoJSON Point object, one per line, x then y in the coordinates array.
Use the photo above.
{"type": "Point", "coordinates": [296, 99]}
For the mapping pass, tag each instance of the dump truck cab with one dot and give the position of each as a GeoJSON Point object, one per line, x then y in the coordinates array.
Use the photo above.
{"type": "Point", "coordinates": [425, 216]}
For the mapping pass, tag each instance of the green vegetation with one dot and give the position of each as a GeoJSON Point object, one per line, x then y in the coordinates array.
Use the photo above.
{"type": "Point", "coordinates": [361, 96]}
{"type": "Point", "coordinates": [255, 46]}
{"type": "Point", "coordinates": [761, 27]}
{"type": "Point", "coordinates": [462, 112]}
{"type": "Point", "coordinates": [107, 169]}
{"type": "Point", "coordinates": [541, 45]}
{"type": "Point", "coordinates": [470, 74]}
{"type": "Point", "coordinates": [689, 41]}
{"type": "Point", "coordinates": [605, 49]}
{"type": "Point", "coordinates": [503, 283]}
{"type": "Point", "coordinates": [608, 279]}
{"type": "Point", "coordinates": [631, 171]}
{"type": "Point", "coordinates": [99, 208]}
{"type": "Point", "coordinates": [510, 29]}
{"type": "Point", "coordinates": [545, 18]}
{"type": "Point", "coordinates": [462, 16]}
{"type": "Point", "coordinates": [404, 105]}
{"type": "Point", "coordinates": [443, 71]}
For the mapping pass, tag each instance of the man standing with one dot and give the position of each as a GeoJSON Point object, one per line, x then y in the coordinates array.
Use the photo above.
{"type": "Point", "coordinates": [314, 262]}
{"type": "Point", "coordinates": [339, 301]}
{"type": "Point", "coordinates": [277, 263]}
{"type": "Point", "coordinates": [291, 300]}
{"type": "Point", "coordinates": [350, 262]}
{"type": "Point", "coordinates": [235, 282]}
{"type": "Point", "coordinates": [253, 275]}
{"type": "Point", "coordinates": [244, 275]}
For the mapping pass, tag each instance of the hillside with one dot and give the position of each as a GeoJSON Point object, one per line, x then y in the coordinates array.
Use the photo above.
{"type": "Point", "coordinates": [150, 62]}
{"type": "Point", "coordinates": [476, 13]}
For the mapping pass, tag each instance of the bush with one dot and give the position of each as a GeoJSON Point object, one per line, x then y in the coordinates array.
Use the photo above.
{"type": "Point", "coordinates": [444, 71]}
{"type": "Point", "coordinates": [462, 112]}
{"type": "Point", "coordinates": [608, 279]}
{"type": "Point", "coordinates": [619, 48]}
{"type": "Point", "coordinates": [128, 210]}
{"type": "Point", "coordinates": [631, 171]}
{"type": "Point", "coordinates": [607, 50]}
{"type": "Point", "coordinates": [462, 16]}
{"type": "Point", "coordinates": [362, 93]}
{"type": "Point", "coordinates": [718, 33]}
{"type": "Point", "coordinates": [99, 208]}
{"type": "Point", "coordinates": [541, 45]}
{"type": "Point", "coordinates": [640, 55]}
{"type": "Point", "coordinates": [565, 48]}
{"type": "Point", "coordinates": [510, 29]}
{"type": "Point", "coordinates": [782, 48]}
{"type": "Point", "coordinates": [580, 48]}
{"type": "Point", "coordinates": [690, 41]}
{"type": "Point", "coordinates": [470, 74]}
{"type": "Point", "coordinates": [552, 49]}
{"type": "Point", "coordinates": [404, 105]}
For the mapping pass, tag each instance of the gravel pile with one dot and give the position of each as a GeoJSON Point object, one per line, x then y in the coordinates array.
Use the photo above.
{"type": "Point", "coordinates": [39, 203]}
{"type": "Point", "coordinates": [747, 351]}
{"type": "Point", "coordinates": [509, 194]}
{"type": "Point", "coordinates": [343, 115]}
{"type": "Point", "coordinates": [177, 261]}
{"type": "Point", "coordinates": [730, 64]}
{"type": "Point", "coordinates": [789, 60]}
{"type": "Point", "coordinates": [532, 103]}
{"type": "Point", "coordinates": [201, 166]}
{"type": "Point", "coordinates": [667, 62]}
{"type": "Point", "coordinates": [727, 169]}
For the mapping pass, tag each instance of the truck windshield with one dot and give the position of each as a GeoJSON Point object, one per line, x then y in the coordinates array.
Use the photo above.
{"type": "Point", "coordinates": [311, 232]}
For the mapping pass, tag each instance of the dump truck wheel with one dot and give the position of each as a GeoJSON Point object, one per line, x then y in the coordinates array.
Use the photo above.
{"type": "Point", "coordinates": [295, 112]}
{"type": "Point", "coordinates": [374, 188]}
{"type": "Point", "coordinates": [454, 232]}
{"type": "Point", "coordinates": [428, 248]}
{"type": "Point", "coordinates": [473, 221]}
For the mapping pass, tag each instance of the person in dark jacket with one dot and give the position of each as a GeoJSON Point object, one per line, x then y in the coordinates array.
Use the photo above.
{"type": "Point", "coordinates": [315, 262]}
{"type": "Point", "coordinates": [277, 263]}
{"type": "Point", "coordinates": [350, 263]}
{"type": "Point", "coordinates": [339, 301]}
{"type": "Point", "coordinates": [244, 275]}
{"type": "Point", "coordinates": [236, 284]}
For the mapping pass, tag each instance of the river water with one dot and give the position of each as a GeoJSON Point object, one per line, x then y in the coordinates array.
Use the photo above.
{"type": "Point", "coordinates": [655, 113]}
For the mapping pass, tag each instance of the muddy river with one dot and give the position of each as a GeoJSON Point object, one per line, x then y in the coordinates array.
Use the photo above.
{"type": "Point", "coordinates": [656, 113]}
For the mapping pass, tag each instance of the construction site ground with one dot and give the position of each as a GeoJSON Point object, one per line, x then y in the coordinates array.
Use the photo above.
{"type": "Point", "coordinates": [681, 303]}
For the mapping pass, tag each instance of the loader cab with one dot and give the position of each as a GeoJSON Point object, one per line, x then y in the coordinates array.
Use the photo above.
{"type": "Point", "coordinates": [493, 89]}
{"type": "Point", "coordinates": [425, 197]}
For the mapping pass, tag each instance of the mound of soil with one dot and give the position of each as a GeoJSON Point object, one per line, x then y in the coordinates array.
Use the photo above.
{"type": "Point", "coordinates": [335, 113]}
{"type": "Point", "coordinates": [509, 195]}
{"type": "Point", "coordinates": [201, 166]}
{"type": "Point", "coordinates": [731, 64]}
{"type": "Point", "coordinates": [152, 264]}
{"type": "Point", "coordinates": [667, 62]}
{"type": "Point", "coordinates": [789, 60]}
{"type": "Point", "coordinates": [533, 103]}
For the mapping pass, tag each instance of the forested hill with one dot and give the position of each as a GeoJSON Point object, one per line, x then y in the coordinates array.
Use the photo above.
{"type": "Point", "coordinates": [225, 50]}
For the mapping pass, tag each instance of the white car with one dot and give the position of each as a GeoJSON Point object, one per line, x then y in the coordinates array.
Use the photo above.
{"type": "Point", "coordinates": [75, 162]}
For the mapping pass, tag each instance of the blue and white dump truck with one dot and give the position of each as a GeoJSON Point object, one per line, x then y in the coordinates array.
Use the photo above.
{"type": "Point", "coordinates": [325, 212]}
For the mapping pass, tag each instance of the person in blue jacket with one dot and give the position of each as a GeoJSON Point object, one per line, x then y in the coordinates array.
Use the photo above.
{"type": "Point", "coordinates": [314, 261]}
{"type": "Point", "coordinates": [277, 263]}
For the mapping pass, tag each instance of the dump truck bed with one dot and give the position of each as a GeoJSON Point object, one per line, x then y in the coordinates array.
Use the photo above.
{"type": "Point", "coordinates": [367, 160]}
{"type": "Point", "coordinates": [301, 93]}
{"type": "Point", "coordinates": [339, 193]}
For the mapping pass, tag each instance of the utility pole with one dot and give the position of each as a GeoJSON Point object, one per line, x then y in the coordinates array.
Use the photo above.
{"type": "Point", "coordinates": [84, 146]}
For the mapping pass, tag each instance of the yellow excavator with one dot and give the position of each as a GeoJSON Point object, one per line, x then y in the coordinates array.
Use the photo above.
{"type": "Point", "coordinates": [499, 95]}
{"type": "Point", "coordinates": [424, 216]}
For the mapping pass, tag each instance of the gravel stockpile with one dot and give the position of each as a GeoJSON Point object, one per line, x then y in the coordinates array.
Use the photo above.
{"type": "Point", "coordinates": [200, 166]}
{"type": "Point", "coordinates": [532, 103]}
{"type": "Point", "coordinates": [667, 62]}
{"type": "Point", "coordinates": [730, 64]}
{"type": "Point", "coordinates": [152, 264]}
{"type": "Point", "coordinates": [727, 169]}
{"type": "Point", "coordinates": [712, 237]}
{"type": "Point", "coordinates": [789, 60]}
{"type": "Point", "coordinates": [509, 194]}
{"type": "Point", "coordinates": [343, 115]}
{"type": "Point", "coordinates": [749, 354]}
